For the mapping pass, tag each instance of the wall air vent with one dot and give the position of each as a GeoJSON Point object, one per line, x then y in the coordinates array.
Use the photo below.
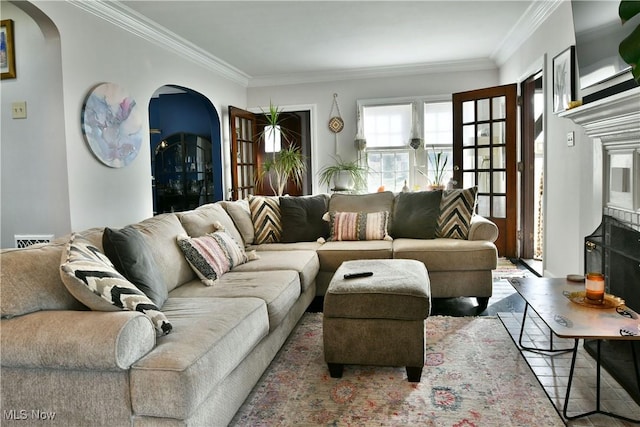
{"type": "Point", "coordinates": [24, 240]}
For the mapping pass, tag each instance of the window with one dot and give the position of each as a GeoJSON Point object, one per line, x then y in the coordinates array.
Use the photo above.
{"type": "Point", "coordinates": [387, 128]}
{"type": "Point", "coordinates": [438, 138]}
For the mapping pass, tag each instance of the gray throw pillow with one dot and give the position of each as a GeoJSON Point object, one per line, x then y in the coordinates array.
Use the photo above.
{"type": "Point", "coordinates": [415, 215]}
{"type": "Point", "coordinates": [131, 256]}
{"type": "Point", "coordinates": [302, 218]}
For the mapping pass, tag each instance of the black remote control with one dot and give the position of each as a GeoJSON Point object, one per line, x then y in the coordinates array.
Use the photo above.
{"type": "Point", "coordinates": [356, 275]}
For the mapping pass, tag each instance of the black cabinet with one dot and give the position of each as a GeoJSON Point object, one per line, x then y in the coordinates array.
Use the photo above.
{"type": "Point", "coordinates": [183, 178]}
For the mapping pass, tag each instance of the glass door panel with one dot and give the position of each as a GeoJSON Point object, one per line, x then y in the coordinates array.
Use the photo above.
{"type": "Point", "coordinates": [485, 155]}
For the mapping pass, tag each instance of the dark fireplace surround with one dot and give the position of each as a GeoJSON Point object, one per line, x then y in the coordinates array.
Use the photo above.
{"type": "Point", "coordinates": [614, 247]}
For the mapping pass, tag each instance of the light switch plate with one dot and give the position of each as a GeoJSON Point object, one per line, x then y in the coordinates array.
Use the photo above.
{"type": "Point", "coordinates": [571, 139]}
{"type": "Point", "coordinates": [19, 110]}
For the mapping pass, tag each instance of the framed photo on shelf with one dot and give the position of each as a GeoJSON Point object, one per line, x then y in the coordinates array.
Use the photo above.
{"type": "Point", "coordinates": [7, 53]}
{"type": "Point", "coordinates": [564, 79]}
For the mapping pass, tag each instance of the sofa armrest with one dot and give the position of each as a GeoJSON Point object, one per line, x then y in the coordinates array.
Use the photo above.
{"type": "Point", "coordinates": [482, 229]}
{"type": "Point", "coordinates": [81, 340]}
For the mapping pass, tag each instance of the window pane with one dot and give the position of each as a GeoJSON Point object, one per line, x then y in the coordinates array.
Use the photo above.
{"type": "Point", "coordinates": [499, 133]}
{"type": "Point", "coordinates": [468, 179]}
{"type": "Point", "coordinates": [438, 123]}
{"type": "Point", "coordinates": [389, 169]}
{"type": "Point", "coordinates": [499, 182]}
{"type": "Point", "coordinates": [484, 209]}
{"type": "Point", "coordinates": [499, 206]}
{"type": "Point", "coordinates": [499, 158]}
{"type": "Point", "coordinates": [469, 158]}
{"type": "Point", "coordinates": [484, 182]}
{"type": "Point", "coordinates": [499, 109]}
{"type": "Point", "coordinates": [483, 109]}
{"type": "Point", "coordinates": [387, 125]}
{"type": "Point", "coordinates": [484, 158]}
{"type": "Point", "coordinates": [468, 135]}
{"type": "Point", "coordinates": [468, 113]}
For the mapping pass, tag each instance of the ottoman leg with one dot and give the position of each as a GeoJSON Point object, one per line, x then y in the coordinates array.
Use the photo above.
{"type": "Point", "coordinates": [335, 369]}
{"type": "Point", "coordinates": [413, 373]}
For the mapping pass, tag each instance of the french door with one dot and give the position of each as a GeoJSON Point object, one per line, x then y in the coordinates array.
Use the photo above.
{"type": "Point", "coordinates": [484, 154]}
{"type": "Point", "coordinates": [244, 159]}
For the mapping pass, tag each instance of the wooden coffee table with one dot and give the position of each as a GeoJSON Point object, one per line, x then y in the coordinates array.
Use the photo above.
{"type": "Point", "coordinates": [565, 318]}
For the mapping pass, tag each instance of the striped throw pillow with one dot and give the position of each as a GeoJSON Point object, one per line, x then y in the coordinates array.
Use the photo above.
{"type": "Point", "coordinates": [266, 218]}
{"type": "Point", "coordinates": [212, 255]}
{"type": "Point", "coordinates": [358, 226]}
{"type": "Point", "coordinates": [456, 209]}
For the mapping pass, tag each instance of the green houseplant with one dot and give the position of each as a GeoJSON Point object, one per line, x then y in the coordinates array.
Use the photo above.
{"type": "Point", "coordinates": [344, 175]}
{"type": "Point", "coordinates": [629, 48]}
{"type": "Point", "coordinates": [438, 163]}
{"type": "Point", "coordinates": [285, 163]}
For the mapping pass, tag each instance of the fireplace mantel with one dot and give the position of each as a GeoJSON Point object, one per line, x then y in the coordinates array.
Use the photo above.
{"type": "Point", "coordinates": [614, 119]}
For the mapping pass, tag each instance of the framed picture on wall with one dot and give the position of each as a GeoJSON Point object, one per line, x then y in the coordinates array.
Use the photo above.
{"type": "Point", "coordinates": [7, 53]}
{"type": "Point", "coordinates": [563, 79]}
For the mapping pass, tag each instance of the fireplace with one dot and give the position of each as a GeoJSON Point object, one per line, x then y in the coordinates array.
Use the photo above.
{"type": "Point", "coordinates": [614, 250]}
{"type": "Point", "coordinates": [614, 247]}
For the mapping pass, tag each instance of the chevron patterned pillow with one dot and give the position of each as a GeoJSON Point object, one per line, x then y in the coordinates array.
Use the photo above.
{"type": "Point", "coordinates": [93, 280]}
{"type": "Point", "coordinates": [266, 218]}
{"type": "Point", "coordinates": [456, 209]}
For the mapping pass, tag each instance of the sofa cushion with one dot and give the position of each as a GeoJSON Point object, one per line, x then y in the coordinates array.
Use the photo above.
{"type": "Point", "coordinates": [211, 337]}
{"type": "Point", "coordinates": [90, 277]}
{"type": "Point", "coordinates": [31, 281]}
{"type": "Point", "coordinates": [239, 212]}
{"type": "Point", "coordinates": [332, 254]}
{"type": "Point", "coordinates": [448, 254]}
{"type": "Point", "coordinates": [305, 263]}
{"type": "Point", "coordinates": [302, 218]}
{"type": "Point", "coordinates": [372, 202]}
{"type": "Point", "coordinates": [279, 289]}
{"type": "Point", "coordinates": [266, 218]}
{"type": "Point", "coordinates": [415, 215]}
{"type": "Point", "coordinates": [131, 256]}
{"type": "Point", "coordinates": [203, 220]}
{"type": "Point", "coordinates": [358, 226]}
{"type": "Point", "coordinates": [160, 233]}
{"type": "Point", "coordinates": [456, 209]}
{"type": "Point", "coordinates": [212, 255]}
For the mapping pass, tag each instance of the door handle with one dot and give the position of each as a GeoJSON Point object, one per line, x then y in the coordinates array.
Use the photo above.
{"type": "Point", "coordinates": [456, 168]}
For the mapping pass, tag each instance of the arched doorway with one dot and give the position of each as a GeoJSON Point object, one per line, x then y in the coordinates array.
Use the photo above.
{"type": "Point", "coordinates": [186, 150]}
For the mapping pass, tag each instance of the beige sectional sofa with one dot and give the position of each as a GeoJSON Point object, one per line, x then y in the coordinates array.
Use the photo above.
{"type": "Point", "coordinates": [74, 366]}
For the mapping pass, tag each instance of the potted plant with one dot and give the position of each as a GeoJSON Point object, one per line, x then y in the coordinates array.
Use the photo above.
{"type": "Point", "coordinates": [438, 163]}
{"type": "Point", "coordinates": [285, 163]}
{"type": "Point", "coordinates": [344, 175]}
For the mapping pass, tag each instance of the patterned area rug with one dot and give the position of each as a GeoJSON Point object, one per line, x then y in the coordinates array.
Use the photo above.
{"type": "Point", "coordinates": [506, 270]}
{"type": "Point", "coordinates": [473, 376]}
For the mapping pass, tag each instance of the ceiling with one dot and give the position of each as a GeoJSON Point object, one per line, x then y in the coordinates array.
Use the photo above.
{"type": "Point", "coordinates": [287, 41]}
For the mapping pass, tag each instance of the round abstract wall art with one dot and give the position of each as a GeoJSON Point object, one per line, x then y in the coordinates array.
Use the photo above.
{"type": "Point", "coordinates": [112, 125]}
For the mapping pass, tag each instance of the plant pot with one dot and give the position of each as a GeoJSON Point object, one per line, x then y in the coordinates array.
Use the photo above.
{"type": "Point", "coordinates": [435, 187]}
{"type": "Point", "coordinates": [343, 180]}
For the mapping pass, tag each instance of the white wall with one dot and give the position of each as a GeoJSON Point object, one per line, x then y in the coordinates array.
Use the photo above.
{"type": "Point", "coordinates": [320, 95]}
{"type": "Point", "coordinates": [92, 51]}
{"type": "Point", "coordinates": [573, 202]}
{"type": "Point", "coordinates": [34, 195]}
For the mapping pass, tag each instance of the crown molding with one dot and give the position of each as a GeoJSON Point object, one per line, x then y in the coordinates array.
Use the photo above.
{"type": "Point", "coordinates": [524, 28]}
{"type": "Point", "coordinates": [129, 20]}
{"type": "Point", "coordinates": [477, 64]}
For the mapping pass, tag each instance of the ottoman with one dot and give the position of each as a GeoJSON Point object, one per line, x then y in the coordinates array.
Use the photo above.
{"type": "Point", "coordinates": [378, 319]}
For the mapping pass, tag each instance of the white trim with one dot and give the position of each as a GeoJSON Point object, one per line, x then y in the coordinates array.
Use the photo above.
{"type": "Point", "coordinates": [523, 29]}
{"type": "Point", "coordinates": [129, 20]}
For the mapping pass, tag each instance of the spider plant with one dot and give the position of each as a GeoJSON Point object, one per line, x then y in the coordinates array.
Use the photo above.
{"type": "Point", "coordinates": [352, 170]}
